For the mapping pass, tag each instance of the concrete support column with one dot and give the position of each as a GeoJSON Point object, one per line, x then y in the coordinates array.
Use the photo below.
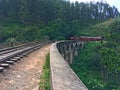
{"type": "Point", "coordinates": [82, 45]}
{"type": "Point", "coordinates": [67, 57]}
{"type": "Point", "coordinates": [71, 57]}
{"type": "Point", "coordinates": [75, 53]}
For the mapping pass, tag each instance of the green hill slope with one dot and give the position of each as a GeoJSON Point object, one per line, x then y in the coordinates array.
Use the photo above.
{"type": "Point", "coordinates": [106, 29]}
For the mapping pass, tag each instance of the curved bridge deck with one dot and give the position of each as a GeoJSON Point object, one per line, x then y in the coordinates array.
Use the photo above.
{"type": "Point", "coordinates": [62, 76]}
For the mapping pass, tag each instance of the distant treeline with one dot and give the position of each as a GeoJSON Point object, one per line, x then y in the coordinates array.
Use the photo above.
{"type": "Point", "coordinates": [61, 16]}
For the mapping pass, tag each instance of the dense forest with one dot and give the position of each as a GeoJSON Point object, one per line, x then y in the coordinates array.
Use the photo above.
{"type": "Point", "coordinates": [33, 20]}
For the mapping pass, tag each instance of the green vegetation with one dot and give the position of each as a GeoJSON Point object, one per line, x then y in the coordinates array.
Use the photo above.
{"type": "Point", "coordinates": [98, 64]}
{"type": "Point", "coordinates": [33, 20]}
{"type": "Point", "coordinates": [87, 67]}
{"type": "Point", "coordinates": [45, 76]}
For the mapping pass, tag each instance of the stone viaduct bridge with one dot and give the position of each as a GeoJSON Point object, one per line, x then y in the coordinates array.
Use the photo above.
{"type": "Point", "coordinates": [61, 56]}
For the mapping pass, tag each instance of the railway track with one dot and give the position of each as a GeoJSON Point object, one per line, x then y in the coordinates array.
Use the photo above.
{"type": "Point", "coordinates": [11, 55]}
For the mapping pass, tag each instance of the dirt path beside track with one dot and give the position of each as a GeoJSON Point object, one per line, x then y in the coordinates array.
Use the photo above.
{"type": "Point", "coordinates": [24, 75]}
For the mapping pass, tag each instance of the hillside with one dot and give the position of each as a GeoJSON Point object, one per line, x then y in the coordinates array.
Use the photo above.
{"type": "Point", "coordinates": [98, 64]}
{"type": "Point", "coordinates": [33, 20]}
{"type": "Point", "coordinates": [102, 29]}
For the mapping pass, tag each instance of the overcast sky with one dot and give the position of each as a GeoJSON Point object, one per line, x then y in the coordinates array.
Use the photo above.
{"type": "Point", "coordinates": [116, 3]}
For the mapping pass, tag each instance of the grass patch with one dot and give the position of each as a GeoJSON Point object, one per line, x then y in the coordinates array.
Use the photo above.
{"type": "Point", "coordinates": [45, 76]}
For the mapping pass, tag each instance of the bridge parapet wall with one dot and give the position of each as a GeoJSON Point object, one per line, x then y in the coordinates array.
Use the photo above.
{"type": "Point", "coordinates": [62, 76]}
